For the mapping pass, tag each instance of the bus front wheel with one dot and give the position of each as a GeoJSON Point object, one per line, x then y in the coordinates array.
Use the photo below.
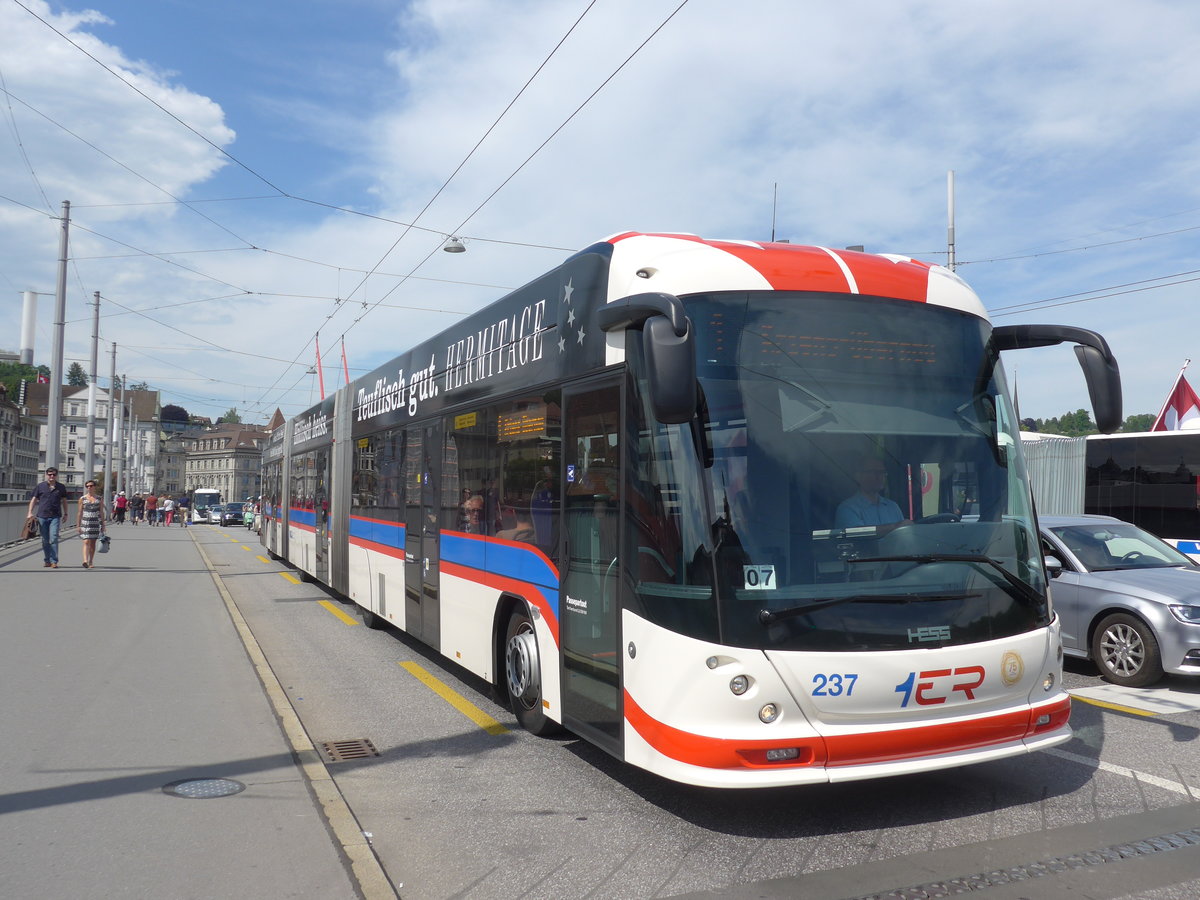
{"type": "Point", "coordinates": [523, 675]}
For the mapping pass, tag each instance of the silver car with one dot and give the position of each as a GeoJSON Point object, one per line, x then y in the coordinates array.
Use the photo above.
{"type": "Point", "coordinates": [1127, 600]}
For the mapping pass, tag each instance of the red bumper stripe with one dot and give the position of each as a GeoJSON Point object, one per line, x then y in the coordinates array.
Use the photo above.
{"type": "Point", "coordinates": [847, 750]}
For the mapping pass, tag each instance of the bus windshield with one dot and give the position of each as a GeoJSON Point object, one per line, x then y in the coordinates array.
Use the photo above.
{"type": "Point", "coordinates": [863, 487]}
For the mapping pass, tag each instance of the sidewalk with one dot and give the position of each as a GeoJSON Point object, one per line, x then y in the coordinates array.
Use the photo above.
{"type": "Point", "coordinates": [121, 680]}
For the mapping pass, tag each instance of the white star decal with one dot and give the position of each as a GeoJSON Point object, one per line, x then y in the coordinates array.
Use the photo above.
{"type": "Point", "coordinates": [570, 317]}
{"type": "Point", "coordinates": [562, 345]}
{"type": "Point", "coordinates": [567, 291]}
{"type": "Point", "coordinates": [581, 335]}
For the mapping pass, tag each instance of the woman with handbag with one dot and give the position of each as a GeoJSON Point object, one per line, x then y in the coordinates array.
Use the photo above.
{"type": "Point", "coordinates": [90, 521]}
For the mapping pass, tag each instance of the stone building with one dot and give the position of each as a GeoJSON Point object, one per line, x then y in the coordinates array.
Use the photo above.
{"type": "Point", "coordinates": [227, 457]}
{"type": "Point", "coordinates": [18, 450]}
{"type": "Point", "coordinates": [140, 427]}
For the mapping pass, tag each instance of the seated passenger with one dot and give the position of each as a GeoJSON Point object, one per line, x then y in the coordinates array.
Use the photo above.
{"type": "Point", "coordinates": [868, 507]}
{"type": "Point", "coordinates": [522, 531]}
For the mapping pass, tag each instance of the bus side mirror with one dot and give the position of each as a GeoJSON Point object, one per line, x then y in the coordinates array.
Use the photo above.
{"type": "Point", "coordinates": [670, 370]}
{"type": "Point", "coordinates": [669, 347]}
{"type": "Point", "coordinates": [1097, 360]}
{"type": "Point", "coordinates": [1104, 386]}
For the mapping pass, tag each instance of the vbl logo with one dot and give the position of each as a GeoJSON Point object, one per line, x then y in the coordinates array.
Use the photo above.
{"type": "Point", "coordinates": [936, 685]}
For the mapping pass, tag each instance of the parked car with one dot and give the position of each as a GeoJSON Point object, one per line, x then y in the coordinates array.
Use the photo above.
{"type": "Point", "coordinates": [231, 514]}
{"type": "Point", "coordinates": [1127, 600]}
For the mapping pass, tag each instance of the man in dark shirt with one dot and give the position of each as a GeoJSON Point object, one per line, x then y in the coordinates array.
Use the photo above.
{"type": "Point", "coordinates": [48, 501]}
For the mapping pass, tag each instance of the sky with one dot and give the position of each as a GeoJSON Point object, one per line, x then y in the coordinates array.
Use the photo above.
{"type": "Point", "coordinates": [247, 179]}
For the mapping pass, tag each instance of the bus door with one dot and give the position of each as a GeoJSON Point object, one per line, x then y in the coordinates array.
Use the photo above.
{"type": "Point", "coordinates": [589, 605]}
{"type": "Point", "coordinates": [321, 515]}
{"type": "Point", "coordinates": [423, 471]}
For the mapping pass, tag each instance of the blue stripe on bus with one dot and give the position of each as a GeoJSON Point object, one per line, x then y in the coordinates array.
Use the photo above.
{"type": "Point", "coordinates": [303, 517]}
{"type": "Point", "coordinates": [488, 556]}
{"type": "Point", "coordinates": [508, 560]}
{"type": "Point", "coordinates": [386, 534]}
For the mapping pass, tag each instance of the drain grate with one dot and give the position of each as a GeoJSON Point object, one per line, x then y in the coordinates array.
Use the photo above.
{"type": "Point", "coordinates": [1162, 843]}
{"type": "Point", "coordinates": [343, 751]}
{"type": "Point", "coordinates": [203, 788]}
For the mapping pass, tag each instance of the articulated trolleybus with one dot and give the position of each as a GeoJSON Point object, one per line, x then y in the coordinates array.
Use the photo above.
{"type": "Point", "coordinates": [617, 494]}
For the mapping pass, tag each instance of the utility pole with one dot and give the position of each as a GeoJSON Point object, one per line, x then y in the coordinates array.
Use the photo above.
{"type": "Point", "coordinates": [54, 413]}
{"type": "Point", "coordinates": [950, 219]}
{"type": "Point", "coordinates": [119, 437]}
{"type": "Point", "coordinates": [109, 482]}
{"type": "Point", "coordinates": [89, 466]}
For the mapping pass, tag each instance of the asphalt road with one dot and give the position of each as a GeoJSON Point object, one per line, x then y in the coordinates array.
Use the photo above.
{"type": "Point", "coordinates": [456, 808]}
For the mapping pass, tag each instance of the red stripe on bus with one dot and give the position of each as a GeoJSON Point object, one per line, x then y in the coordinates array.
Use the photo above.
{"type": "Point", "coordinates": [393, 552]}
{"type": "Point", "coordinates": [847, 750]}
{"type": "Point", "coordinates": [524, 589]}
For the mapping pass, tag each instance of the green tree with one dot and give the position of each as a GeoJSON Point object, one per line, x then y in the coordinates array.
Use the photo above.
{"type": "Point", "coordinates": [1078, 423]}
{"type": "Point", "coordinates": [173, 413]}
{"type": "Point", "coordinates": [140, 386]}
{"type": "Point", "coordinates": [76, 377]}
{"type": "Point", "coordinates": [231, 416]}
{"type": "Point", "coordinates": [1141, 422]}
{"type": "Point", "coordinates": [12, 374]}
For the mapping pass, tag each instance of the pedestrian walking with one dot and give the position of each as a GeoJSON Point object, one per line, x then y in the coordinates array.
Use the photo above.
{"type": "Point", "coordinates": [151, 509]}
{"type": "Point", "coordinates": [90, 521]}
{"type": "Point", "coordinates": [48, 501]}
{"type": "Point", "coordinates": [183, 511]}
{"type": "Point", "coordinates": [121, 504]}
{"type": "Point", "coordinates": [137, 508]}
{"type": "Point", "coordinates": [168, 508]}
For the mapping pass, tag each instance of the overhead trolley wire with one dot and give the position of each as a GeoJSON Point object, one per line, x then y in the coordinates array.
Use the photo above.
{"type": "Point", "coordinates": [536, 151]}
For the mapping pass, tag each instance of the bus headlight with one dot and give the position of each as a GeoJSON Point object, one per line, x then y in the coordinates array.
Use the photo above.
{"type": "Point", "coordinates": [768, 714]}
{"type": "Point", "coordinates": [739, 684]}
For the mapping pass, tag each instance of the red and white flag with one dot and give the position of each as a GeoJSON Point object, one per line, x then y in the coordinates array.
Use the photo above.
{"type": "Point", "coordinates": [1181, 410]}
{"type": "Point", "coordinates": [43, 379]}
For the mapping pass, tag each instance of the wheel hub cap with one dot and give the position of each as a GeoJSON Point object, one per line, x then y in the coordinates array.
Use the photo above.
{"type": "Point", "coordinates": [524, 679]}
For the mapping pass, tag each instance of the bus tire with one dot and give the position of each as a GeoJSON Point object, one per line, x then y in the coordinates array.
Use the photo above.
{"type": "Point", "coordinates": [522, 675]}
{"type": "Point", "coordinates": [1126, 651]}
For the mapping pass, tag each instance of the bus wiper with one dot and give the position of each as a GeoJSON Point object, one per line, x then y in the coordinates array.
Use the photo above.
{"type": "Point", "coordinates": [1023, 591]}
{"type": "Point", "coordinates": [769, 616]}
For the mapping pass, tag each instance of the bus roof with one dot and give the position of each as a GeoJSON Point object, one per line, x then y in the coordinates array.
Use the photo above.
{"type": "Point", "coordinates": [683, 264]}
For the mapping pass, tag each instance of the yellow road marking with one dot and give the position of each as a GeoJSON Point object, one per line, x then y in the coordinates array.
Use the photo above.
{"type": "Point", "coordinates": [1125, 709]}
{"type": "Point", "coordinates": [263, 559]}
{"type": "Point", "coordinates": [290, 578]}
{"type": "Point", "coordinates": [349, 620]}
{"type": "Point", "coordinates": [244, 547]}
{"type": "Point", "coordinates": [459, 702]}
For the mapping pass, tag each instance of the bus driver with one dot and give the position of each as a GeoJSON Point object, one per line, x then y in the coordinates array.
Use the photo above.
{"type": "Point", "coordinates": [868, 506]}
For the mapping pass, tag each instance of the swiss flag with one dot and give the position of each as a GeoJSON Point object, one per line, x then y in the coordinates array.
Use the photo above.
{"type": "Point", "coordinates": [42, 379]}
{"type": "Point", "coordinates": [1182, 409]}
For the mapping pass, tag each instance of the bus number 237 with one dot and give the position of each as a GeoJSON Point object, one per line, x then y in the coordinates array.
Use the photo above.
{"type": "Point", "coordinates": [833, 685]}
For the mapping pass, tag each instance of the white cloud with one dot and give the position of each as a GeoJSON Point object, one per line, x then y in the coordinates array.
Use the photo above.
{"type": "Point", "coordinates": [1066, 123]}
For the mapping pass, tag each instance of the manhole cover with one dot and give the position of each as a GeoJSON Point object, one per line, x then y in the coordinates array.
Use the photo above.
{"type": "Point", "coordinates": [204, 788]}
